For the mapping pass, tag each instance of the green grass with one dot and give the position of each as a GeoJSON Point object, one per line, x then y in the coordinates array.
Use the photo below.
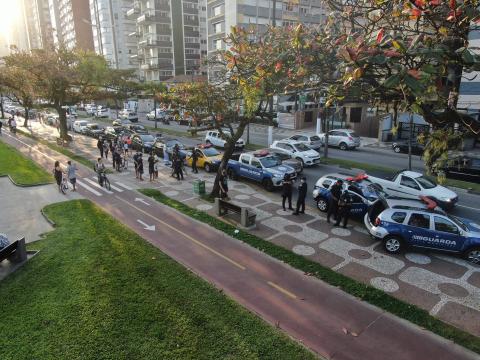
{"type": "Point", "coordinates": [253, 147]}
{"type": "Point", "coordinates": [362, 291]}
{"type": "Point", "coordinates": [463, 184]}
{"type": "Point", "coordinates": [96, 290]}
{"type": "Point", "coordinates": [21, 169]}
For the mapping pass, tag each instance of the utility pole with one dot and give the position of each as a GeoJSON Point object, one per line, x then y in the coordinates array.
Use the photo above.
{"type": "Point", "coordinates": [410, 135]}
{"type": "Point", "coordinates": [274, 23]}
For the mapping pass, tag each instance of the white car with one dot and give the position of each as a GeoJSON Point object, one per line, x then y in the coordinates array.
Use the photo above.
{"type": "Point", "coordinates": [345, 139]}
{"type": "Point", "coordinates": [79, 126]}
{"type": "Point", "coordinates": [412, 185]}
{"type": "Point", "coordinates": [91, 109]}
{"type": "Point", "coordinates": [297, 150]}
{"type": "Point", "coordinates": [102, 112]}
{"type": "Point", "coordinates": [216, 139]}
{"type": "Point", "coordinates": [128, 115]}
{"type": "Point", "coordinates": [313, 141]}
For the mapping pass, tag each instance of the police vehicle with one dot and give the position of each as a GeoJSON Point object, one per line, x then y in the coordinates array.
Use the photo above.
{"type": "Point", "coordinates": [427, 226]}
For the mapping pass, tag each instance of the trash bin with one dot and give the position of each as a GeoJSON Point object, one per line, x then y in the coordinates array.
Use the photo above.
{"type": "Point", "coordinates": [199, 187]}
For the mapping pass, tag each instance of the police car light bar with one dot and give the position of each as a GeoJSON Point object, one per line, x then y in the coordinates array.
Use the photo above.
{"type": "Point", "coordinates": [357, 178]}
{"type": "Point", "coordinates": [429, 202]}
{"type": "Point", "coordinates": [261, 153]}
{"type": "Point", "coordinates": [204, 146]}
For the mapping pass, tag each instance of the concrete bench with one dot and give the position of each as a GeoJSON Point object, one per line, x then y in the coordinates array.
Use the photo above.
{"type": "Point", "coordinates": [247, 216]}
{"type": "Point", "coordinates": [15, 252]}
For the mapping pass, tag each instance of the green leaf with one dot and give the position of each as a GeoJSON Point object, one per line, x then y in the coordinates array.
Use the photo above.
{"type": "Point", "coordinates": [468, 57]}
{"type": "Point", "coordinates": [413, 84]}
{"type": "Point", "coordinates": [392, 81]}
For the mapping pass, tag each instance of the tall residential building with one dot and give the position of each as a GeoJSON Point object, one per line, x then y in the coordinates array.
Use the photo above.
{"type": "Point", "coordinates": [111, 29]}
{"type": "Point", "coordinates": [38, 23]}
{"type": "Point", "coordinates": [171, 37]}
{"type": "Point", "coordinates": [71, 23]}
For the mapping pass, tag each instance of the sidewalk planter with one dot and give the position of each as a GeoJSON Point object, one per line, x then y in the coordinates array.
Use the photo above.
{"type": "Point", "coordinates": [199, 187]}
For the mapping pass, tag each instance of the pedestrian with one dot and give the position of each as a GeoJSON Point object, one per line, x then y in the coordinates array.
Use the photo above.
{"type": "Point", "coordinates": [155, 166]}
{"type": "Point", "coordinates": [111, 146]}
{"type": "Point", "coordinates": [71, 174]}
{"type": "Point", "coordinates": [106, 148]}
{"type": "Point", "coordinates": [125, 148]}
{"type": "Point", "coordinates": [178, 168]}
{"type": "Point", "coordinates": [136, 159]}
{"type": "Point", "coordinates": [302, 194]}
{"type": "Point", "coordinates": [57, 173]}
{"type": "Point", "coordinates": [13, 125]}
{"type": "Point", "coordinates": [151, 166]}
{"type": "Point", "coordinates": [140, 167]}
{"type": "Point", "coordinates": [1, 124]}
{"type": "Point", "coordinates": [223, 183]}
{"type": "Point", "coordinates": [344, 207]}
{"type": "Point", "coordinates": [100, 146]}
{"type": "Point", "coordinates": [287, 192]}
{"type": "Point", "coordinates": [194, 161]}
{"type": "Point", "coordinates": [335, 192]}
{"type": "Point", "coordinates": [174, 160]}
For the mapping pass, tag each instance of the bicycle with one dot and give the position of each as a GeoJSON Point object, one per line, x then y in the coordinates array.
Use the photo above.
{"type": "Point", "coordinates": [103, 180]}
{"type": "Point", "coordinates": [64, 184]}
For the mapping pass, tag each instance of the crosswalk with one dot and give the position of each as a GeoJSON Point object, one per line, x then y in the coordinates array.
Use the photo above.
{"type": "Point", "coordinates": [92, 186]}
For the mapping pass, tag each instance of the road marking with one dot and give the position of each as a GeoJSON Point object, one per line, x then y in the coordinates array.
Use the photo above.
{"type": "Point", "coordinates": [282, 290]}
{"type": "Point", "coordinates": [233, 262]}
{"type": "Point", "coordinates": [147, 227]}
{"type": "Point", "coordinates": [93, 183]}
{"type": "Point", "coordinates": [113, 187]}
{"type": "Point", "coordinates": [142, 201]}
{"type": "Point", "coordinates": [468, 207]}
{"type": "Point", "coordinates": [88, 188]}
{"type": "Point", "coordinates": [126, 187]}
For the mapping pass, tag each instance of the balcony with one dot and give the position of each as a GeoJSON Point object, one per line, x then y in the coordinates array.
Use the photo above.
{"type": "Point", "coordinates": [133, 34]}
{"type": "Point", "coordinates": [157, 64]}
{"type": "Point", "coordinates": [135, 10]}
{"type": "Point", "coordinates": [153, 16]}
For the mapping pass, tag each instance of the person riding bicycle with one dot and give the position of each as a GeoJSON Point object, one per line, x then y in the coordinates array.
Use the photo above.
{"type": "Point", "coordinates": [100, 170]}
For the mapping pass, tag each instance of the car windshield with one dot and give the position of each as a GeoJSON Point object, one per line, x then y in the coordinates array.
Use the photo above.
{"type": "Point", "coordinates": [301, 147]}
{"type": "Point", "coordinates": [209, 152]}
{"type": "Point", "coordinates": [147, 138]}
{"type": "Point", "coordinates": [93, 127]}
{"type": "Point", "coordinates": [458, 222]}
{"type": "Point", "coordinates": [353, 134]}
{"type": "Point", "coordinates": [139, 127]}
{"type": "Point", "coordinates": [315, 138]}
{"type": "Point", "coordinates": [172, 143]}
{"type": "Point", "coordinates": [269, 161]}
{"type": "Point", "coordinates": [425, 183]}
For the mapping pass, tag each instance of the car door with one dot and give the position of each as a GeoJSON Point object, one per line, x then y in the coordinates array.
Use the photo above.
{"type": "Point", "coordinates": [256, 170]}
{"type": "Point", "coordinates": [359, 206]}
{"type": "Point", "coordinates": [408, 187]}
{"type": "Point", "coordinates": [244, 166]}
{"type": "Point", "coordinates": [448, 236]}
{"type": "Point", "coordinates": [289, 150]}
{"type": "Point", "coordinates": [417, 230]}
{"type": "Point", "coordinates": [333, 138]}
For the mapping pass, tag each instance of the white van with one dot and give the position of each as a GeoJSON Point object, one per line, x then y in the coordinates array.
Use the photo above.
{"type": "Point", "coordinates": [79, 126]}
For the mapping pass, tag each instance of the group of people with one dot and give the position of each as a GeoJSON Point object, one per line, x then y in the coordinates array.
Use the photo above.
{"type": "Point", "coordinates": [70, 174]}
{"type": "Point", "coordinates": [340, 204]}
{"type": "Point", "coordinates": [118, 149]}
{"type": "Point", "coordinates": [287, 190]}
{"type": "Point", "coordinates": [177, 163]}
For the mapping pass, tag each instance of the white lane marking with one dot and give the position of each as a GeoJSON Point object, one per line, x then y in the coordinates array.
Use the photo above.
{"type": "Point", "coordinates": [112, 186]}
{"type": "Point", "coordinates": [142, 201]}
{"type": "Point", "coordinates": [123, 185]}
{"type": "Point", "coordinates": [88, 188]}
{"type": "Point", "coordinates": [98, 186]}
{"type": "Point", "coordinates": [468, 207]}
{"type": "Point", "coordinates": [146, 226]}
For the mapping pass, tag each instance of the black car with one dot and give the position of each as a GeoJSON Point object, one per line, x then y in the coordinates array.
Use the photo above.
{"type": "Point", "coordinates": [463, 168]}
{"type": "Point", "coordinates": [112, 132]}
{"type": "Point", "coordinates": [402, 147]}
{"type": "Point", "coordinates": [93, 130]}
{"type": "Point", "coordinates": [143, 142]}
{"type": "Point", "coordinates": [137, 129]}
{"type": "Point", "coordinates": [161, 144]}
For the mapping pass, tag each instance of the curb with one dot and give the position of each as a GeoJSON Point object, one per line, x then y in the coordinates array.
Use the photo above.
{"type": "Point", "coordinates": [50, 221]}
{"type": "Point", "coordinates": [25, 185]}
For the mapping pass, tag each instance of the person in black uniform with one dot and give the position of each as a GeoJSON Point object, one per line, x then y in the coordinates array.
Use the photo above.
{"type": "Point", "coordinates": [302, 194]}
{"type": "Point", "coordinates": [178, 168]}
{"type": "Point", "coordinates": [194, 161]}
{"type": "Point", "coordinates": [335, 192]}
{"type": "Point", "coordinates": [344, 207]}
{"type": "Point", "coordinates": [287, 192]}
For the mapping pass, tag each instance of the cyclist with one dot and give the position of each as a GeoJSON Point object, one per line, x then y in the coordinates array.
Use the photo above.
{"type": "Point", "coordinates": [100, 170]}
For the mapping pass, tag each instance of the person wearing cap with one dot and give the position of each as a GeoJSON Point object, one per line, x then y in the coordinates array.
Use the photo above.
{"type": "Point", "coordinates": [302, 194]}
{"type": "Point", "coordinates": [335, 192]}
{"type": "Point", "coordinates": [344, 207]}
{"type": "Point", "coordinates": [287, 192]}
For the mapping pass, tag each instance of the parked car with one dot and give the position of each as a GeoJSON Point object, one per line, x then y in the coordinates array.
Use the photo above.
{"type": "Point", "coordinates": [79, 126]}
{"type": "Point", "coordinates": [402, 147]}
{"type": "Point", "coordinates": [102, 112]}
{"type": "Point", "coordinates": [164, 144]}
{"type": "Point", "coordinates": [128, 115]}
{"type": "Point", "coordinates": [464, 168]}
{"type": "Point", "coordinates": [143, 142]}
{"type": "Point", "coordinates": [208, 157]}
{"type": "Point", "coordinates": [286, 159]}
{"type": "Point", "coordinates": [260, 167]}
{"type": "Point", "coordinates": [112, 132]}
{"type": "Point", "coordinates": [91, 109]}
{"type": "Point", "coordinates": [137, 128]}
{"type": "Point", "coordinates": [399, 228]}
{"type": "Point", "coordinates": [121, 122]}
{"type": "Point", "coordinates": [412, 185]}
{"type": "Point", "coordinates": [218, 139]}
{"type": "Point", "coordinates": [297, 150]}
{"type": "Point", "coordinates": [345, 139]}
{"type": "Point", "coordinates": [93, 130]}
{"type": "Point", "coordinates": [313, 141]}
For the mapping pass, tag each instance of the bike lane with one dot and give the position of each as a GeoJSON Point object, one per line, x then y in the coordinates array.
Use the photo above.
{"type": "Point", "coordinates": [325, 319]}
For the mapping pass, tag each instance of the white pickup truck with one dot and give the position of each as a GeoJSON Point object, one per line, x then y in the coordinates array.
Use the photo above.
{"type": "Point", "coordinates": [412, 185]}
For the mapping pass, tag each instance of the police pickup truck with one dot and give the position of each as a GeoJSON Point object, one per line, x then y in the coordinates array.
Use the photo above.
{"type": "Point", "coordinates": [260, 167]}
{"type": "Point", "coordinates": [426, 227]}
{"type": "Point", "coordinates": [412, 185]}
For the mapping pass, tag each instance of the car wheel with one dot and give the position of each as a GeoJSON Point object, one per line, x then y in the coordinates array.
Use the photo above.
{"type": "Point", "coordinates": [267, 184]}
{"type": "Point", "coordinates": [208, 167]}
{"type": "Point", "coordinates": [397, 149]}
{"type": "Point", "coordinates": [343, 146]}
{"type": "Point", "coordinates": [301, 160]}
{"type": "Point", "coordinates": [393, 244]}
{"type": "Point", "coordinates": [473, 255]}
{"type": "Point", "coordinates": [322, 205]}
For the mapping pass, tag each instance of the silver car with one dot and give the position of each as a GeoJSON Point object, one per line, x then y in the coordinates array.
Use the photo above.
{"type": "Point", "coordinates": [313, 141]}
{"type": "Point", "coordinates": [286, 159]}
{"type": "Point", "coordinates": [345, 139]}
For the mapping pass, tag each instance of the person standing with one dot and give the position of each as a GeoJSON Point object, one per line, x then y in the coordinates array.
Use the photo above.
{"type": "Point", "coordinates": [106, 148]}
{"type": "Point", "coordinates": [1, 124]}
{"type": "Point", "coordinates": [136, 159]}
{"type": "Point", "coordinates": [100, 146]}
{"type": "Point", "coordinates": [13, 125]}
{"type": "Point", "coordinates": [335, 192]}
{"type": "Point", "coordinates": [178, 168]}
{"type": "Point", "coordinates": [125, 148]}
{"type": "Point", "coordinates": [151, 166]}
{"type": "Point", "coordinates": [57, 173]}
{"type": "Point", "coordinates": [287, 192]}
{"type": "Point", "coordinates": [71, 174]}
{"type": "Point", "coordinates": [140, 166]}
{"type": "Point", "coordinates": [194, 161]}
{"type": "Point", "coordinates": [155, 166]}
{"type": "Point", "coordinates": [344, 207]}
{"type": "Point", "coordinates": [302, 194]}
{"type": "Point", "coordinates": [223, 183]}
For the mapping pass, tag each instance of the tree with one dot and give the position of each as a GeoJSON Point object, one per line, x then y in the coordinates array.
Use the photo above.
{"type": "Point", "coordinates": [411, 54]}
{"type": "Point", "coordinates": [119, 86]}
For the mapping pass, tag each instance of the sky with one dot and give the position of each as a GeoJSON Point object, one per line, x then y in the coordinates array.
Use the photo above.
{"type": "Point", "coordinates": [10, 15]}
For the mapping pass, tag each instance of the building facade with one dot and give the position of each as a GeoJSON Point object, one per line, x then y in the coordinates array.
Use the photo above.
{"type": "Point", "coordinates": [171, 37]}
{"type": "Point", "coordinates": [38, 23]}
{"type": "Point", "coordinates": [111, 29]}
{"type": "Point", "coordinates": [71, 24]}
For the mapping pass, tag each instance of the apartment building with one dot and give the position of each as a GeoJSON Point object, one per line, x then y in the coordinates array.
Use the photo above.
{"type": "Point", "coordinates": [38, 23]}
{"type": "Point", "coordinates": [111, 29]}
{"type": "Point", "coordinates": [171, 37]}
{"type": "Point", "coordinates": [71, 24]}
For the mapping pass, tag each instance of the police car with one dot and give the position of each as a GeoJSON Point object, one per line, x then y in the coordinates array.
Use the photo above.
{"type": "Point", "coordinates": [424, 226]}
{"type": "Point", "coordinates": [362, 192]}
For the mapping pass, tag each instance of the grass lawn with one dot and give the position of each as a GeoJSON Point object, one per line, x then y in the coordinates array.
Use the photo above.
{"type": "Point", "coordinates": [97, 290]}
{"type": "Point", "coordinates": [21, 169]}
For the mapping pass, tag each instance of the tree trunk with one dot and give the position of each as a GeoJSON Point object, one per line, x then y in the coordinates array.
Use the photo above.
{"type": "Point", "coordinates": [62, 116]}
{"type": "Point", "coordinates": [25, 122]}
{"type": "Point", "coordinates": [1, 106]}
{"type": "Point", "coordinates": [229, 149]}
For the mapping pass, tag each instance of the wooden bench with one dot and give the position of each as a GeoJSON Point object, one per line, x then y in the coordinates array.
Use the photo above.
{"type": "Point", "coordinates": [247, 216]}
{"type": "Point", "coordinates": [15, 252]}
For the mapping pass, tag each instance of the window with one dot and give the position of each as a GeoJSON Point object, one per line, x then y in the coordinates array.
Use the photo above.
{"type": "Point", "coordinates": [288, 147]}
{"type": "Point", "coordinates": [256, 163]}
{"type": "Point", "coordinates": [355, 198]}
{"type": "Point", "coordinates": [444, 225]}
{"type": "Point", "coordinates": [426, 184]}
{"type": "Point", "coordinates": [326, 184]}
{"type": "Point", "coordinates": [217, 27]}
{"type": "Point", "coordinates": [335, 133]}
{"type": "Point", "coordinates": [409, 182]}
{"type": "Point", "coordinates": [399, 217]}
{"type": "Point", "coordinates": [419, 220]}
{"type": "Point", "coordinates": [295, 137]}
{"type": "Point", "coordinates": [217, 10]}
{"type": "Point", "coordinates": [246, 160]}
{"type": "Point", "coordinates": [302, 138]}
